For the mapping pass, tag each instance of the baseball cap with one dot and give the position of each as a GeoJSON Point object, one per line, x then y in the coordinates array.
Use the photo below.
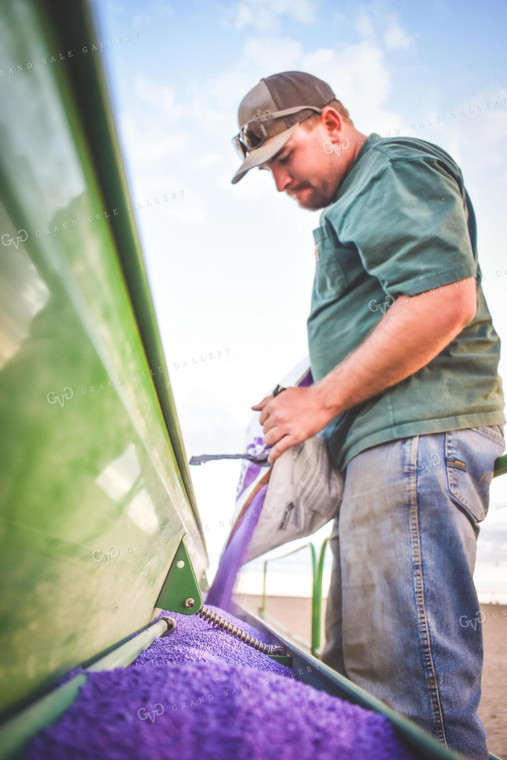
{"type": "Point", "coordinates": [259, 114]}
{"type": "Point", "coordinates": [262, 114]}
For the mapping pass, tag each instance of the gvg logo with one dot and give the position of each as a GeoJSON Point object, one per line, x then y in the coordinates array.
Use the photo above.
{"type": "Point", "coordinates": [480, 617]}
{"type": "Point", "coordinates": [144, 714]}
{"type": "Point", "coordinates": [428, 464]}
{"type": "Point", "coordinates": [374, 305]}
{"type": "Point", "coordinates": [106, 557]}
{"type": "Point", "coordinates": [330, 147]}
{"type": "Point", "coordinates": [21, 237]}
{"type": "Point", "coordinates": [66, 395]}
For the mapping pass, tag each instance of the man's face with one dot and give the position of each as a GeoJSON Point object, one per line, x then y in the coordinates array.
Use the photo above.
{"type": "Point", "coordinates": [306, 171]}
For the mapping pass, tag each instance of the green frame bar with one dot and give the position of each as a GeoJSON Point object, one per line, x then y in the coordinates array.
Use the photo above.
{"type": "Point", "coordinates": [317, 574]}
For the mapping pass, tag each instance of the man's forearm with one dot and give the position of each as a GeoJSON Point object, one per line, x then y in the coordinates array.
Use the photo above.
{"type": "Point", "coordinates": [413, 331]}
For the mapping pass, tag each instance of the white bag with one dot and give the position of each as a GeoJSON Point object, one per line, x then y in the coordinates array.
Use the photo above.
{"type": "Point", "coordinates": [304, 490]}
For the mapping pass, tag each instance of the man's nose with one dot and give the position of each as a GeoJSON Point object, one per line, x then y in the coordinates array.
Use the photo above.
{"type": "Point", "coordinates": [282, 178]}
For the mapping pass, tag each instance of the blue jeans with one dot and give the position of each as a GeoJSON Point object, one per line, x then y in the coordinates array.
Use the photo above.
{"type": "Point", "coordinates": [403, 618]}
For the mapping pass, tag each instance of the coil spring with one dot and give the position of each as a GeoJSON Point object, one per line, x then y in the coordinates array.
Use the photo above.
{"type": "Point", "coordinates": [219, 622]}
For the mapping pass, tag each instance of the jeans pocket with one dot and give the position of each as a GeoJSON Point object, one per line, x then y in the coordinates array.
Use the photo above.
{"type": "Point", "coordinates": [470, 456]}
{"type": "Point", "coordinates": [493, 431]}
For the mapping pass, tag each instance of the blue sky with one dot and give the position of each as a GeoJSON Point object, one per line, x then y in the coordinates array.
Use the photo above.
{"type": "Point", "coordinates": [231, 267]}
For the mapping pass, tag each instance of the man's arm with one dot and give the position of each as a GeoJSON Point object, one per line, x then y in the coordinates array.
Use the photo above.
{"type": "Point", "coordinates": [412, 332]}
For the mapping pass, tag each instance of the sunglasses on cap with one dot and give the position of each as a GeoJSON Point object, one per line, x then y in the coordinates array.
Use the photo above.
{"type": "Point", "coordinates": [254, 132]}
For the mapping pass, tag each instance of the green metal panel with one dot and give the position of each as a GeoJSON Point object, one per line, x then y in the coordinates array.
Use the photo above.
{"type": "Point", "coordinates": [95, 493]}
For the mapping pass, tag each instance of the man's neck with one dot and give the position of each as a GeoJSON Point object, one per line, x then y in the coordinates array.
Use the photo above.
{"type": "Point", "coordinates": [357, 141]}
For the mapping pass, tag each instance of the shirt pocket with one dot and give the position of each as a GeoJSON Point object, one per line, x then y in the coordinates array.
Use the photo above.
{"type": "Point", "coordinates": [330, 278]}
{"type": "Point", "coordinates": [470, 456]}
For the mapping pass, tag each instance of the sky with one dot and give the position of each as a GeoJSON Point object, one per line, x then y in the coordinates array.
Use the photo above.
{"type": "Point", "coordinates": [231, 266]}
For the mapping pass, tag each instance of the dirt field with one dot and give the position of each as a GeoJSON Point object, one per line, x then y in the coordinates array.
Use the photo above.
{"type": "Point", "coordinates": [294, 613]}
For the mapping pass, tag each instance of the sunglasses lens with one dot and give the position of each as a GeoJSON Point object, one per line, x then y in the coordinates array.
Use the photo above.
{"type": "Point", "coordinates": [253, 135]}
{"type": "Point", "coordinates": [240, 148]}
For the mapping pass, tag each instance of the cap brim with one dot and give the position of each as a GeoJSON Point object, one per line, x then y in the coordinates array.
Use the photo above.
{"type": "Point", "coordinates": [264, 153]}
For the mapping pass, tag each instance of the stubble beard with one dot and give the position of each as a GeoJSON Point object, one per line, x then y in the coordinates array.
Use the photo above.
{"type": "Point", "coordinates": [314, 201]}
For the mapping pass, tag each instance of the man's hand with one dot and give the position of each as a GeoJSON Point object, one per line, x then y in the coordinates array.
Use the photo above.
{"type": "Point", "coordinates": [291, 417]}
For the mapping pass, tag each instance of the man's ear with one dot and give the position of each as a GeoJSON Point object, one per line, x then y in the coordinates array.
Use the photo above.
{"type": "Point", "coordinates": [332, 120]}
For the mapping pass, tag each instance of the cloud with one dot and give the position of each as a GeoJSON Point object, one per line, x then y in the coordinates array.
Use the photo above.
{"type": "Point", "coordinates": [265, 15]}
{"type": "Point", "coordinates": [153, 145]}
{"type": "Point", "coordinates": [271, 54]}
{"type": "Point", "coordinates": [157, 9]}
{"type": "Point", "coordinates": [356, 71]}
{"type": "Point", "coordinates": [396, 38]}
{"type": "Point", "coordinates": [480, 125]}
{"type": "Point", "coordinates": [473, 131]}
{"type": "Point", "coordinates": [160, 97]}
{"type": "Point", "coordinates": [374, 25]}
{"type": "Point", "coordinates": [364, 26]}
{"type": "Point", "coordinates": [206, 160]}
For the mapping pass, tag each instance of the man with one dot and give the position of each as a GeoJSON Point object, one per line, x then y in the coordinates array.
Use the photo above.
{"type": "Point", "coordinates": [404, 358]}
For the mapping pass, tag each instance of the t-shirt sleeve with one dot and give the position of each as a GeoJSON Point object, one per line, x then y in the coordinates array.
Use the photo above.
{"type": "Point", "coordinates": [410, 227]}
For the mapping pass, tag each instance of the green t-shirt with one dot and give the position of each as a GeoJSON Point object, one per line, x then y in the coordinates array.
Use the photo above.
{"type": "Point", "coordinates": [401, 223]}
